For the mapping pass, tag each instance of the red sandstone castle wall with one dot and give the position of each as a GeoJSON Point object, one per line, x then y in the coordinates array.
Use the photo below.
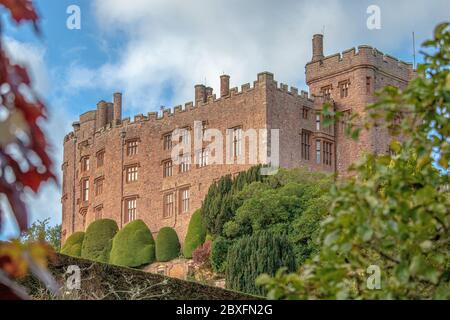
{"type": "Point", "coordinates": [263, 105]}
{"type": "Point", "coordinates": [244, 108]}
{"type": "Point", "coordinates": [367, 70]}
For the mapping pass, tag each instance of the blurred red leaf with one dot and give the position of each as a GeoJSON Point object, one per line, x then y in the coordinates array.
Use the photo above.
{"type": "Point", "coordinates": [21, 10]}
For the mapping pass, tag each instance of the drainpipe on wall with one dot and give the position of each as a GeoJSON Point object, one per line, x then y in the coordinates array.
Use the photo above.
{"type": "Point", "coordinates": [122, 136]}
{"type": "Point", "coordinates": [74, 182]}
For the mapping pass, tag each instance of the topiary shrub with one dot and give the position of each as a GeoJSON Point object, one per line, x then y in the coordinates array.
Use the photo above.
{"type": "Point", "coordinates": [73, 244]}
{"type": "Point", "coordinates": [264, 252]}
{"type": "Point", "coordinates": [167, 245]}
{"type": "Point", "coordinates": [219, 251]}
{"type": "Point", "coordinates": [195, 236]}
{"type": "Point", "coordinates": [98, 240]}
{"type": "Point", "coordinates": [133, 246]}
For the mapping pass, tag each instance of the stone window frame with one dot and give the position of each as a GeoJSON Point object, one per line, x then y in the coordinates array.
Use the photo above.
{"type": "Point", "coordinates": [85, 163]}
{"type": "Point", "coordinates": [185, 166]}
{"type": "Point", "coordinates": [184, 205]}
{"type": "Point", "coordinates": [167, 140]}
{"type": "Point", "coordinates": [344, 88]}
{"type": "Point", "coordinates": [132, 146]}
{"type": "Point", "coordinates": [327, 150]}
{"type": "Point", "coordinates": [131, 176]}
{"type": "Point", "coordinates": [305, 113]}
{"type": "Point", "coordinates": [306, 144]}
{"type": "Point", "coordinates": [236, 141]}
{"type": "Point", "coordinates": [202, 158]}
{"type": "Point", "coordinates": [185, 135]}
{"type": "Point", "coordinates": [168, 207]}
{"type": "Point", "coordinates": [318, 146]}
{"type": "Point", "coordinates": [84, 190]}
{"type": "Point", "coordinates": [100, 155]}
{"type": "Point", "coordinates": [98, 185]}
{"type": "Point", "coordinates": [326, 91]}
{"type": "Point", "coordinates": [318, 121]}
{"type": "Point", "coordinates": [130, 208]}
{"type": "Point", "coordinates": [167, 168]}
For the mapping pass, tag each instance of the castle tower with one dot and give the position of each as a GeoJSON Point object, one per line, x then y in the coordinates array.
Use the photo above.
{"type": "Point", "coordinates": [350, 79]}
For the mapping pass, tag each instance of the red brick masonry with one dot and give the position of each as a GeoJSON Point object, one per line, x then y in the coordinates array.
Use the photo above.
{"type": "Point", "coordinates": [119, 168]}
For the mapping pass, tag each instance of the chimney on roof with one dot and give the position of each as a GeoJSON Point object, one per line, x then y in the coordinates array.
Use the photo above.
{"type": "Point", "coordinates": [317, 47]}
{"type": "Point", "coordinates": [117, 115]}
{"type": "Point", "coordinates": [200, 94]}
{"type": "Point", "coordinates": [224, 85]}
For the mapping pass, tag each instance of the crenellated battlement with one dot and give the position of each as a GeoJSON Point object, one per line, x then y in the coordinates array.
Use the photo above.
{"type": "Point", "coordinates": [362, 56]}
{"type": "Point", "coordinates": [263, 79]}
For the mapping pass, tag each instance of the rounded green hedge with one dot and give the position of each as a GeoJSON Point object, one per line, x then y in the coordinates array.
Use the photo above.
{"type": "Point", "coordinates": [167, 245]}
{"type": "Point", "coordinates": [195, 236]}
{"type": "Point", "coordinates": [98, 240]}
{"type": "Point", "coordinates": [133, 246]}
{"type": "Point", "coordinates": [73, 244]}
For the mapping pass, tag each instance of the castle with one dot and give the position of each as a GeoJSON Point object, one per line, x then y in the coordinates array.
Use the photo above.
{"type": "Point", "coordinates": [124, 169]}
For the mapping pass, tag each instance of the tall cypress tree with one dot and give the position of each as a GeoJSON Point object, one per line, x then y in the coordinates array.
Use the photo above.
{"type": "Point", "coordinates": [217, 208]}
{"type": "Point", "coordinates": [251, 256]}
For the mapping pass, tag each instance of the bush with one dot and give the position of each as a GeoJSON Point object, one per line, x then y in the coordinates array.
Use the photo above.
{"type": "Point", "coordinates": [195, 236]}
{"type": "Point", "coordinates": [219, 251]}
{"type": "Point", "coordinates": [133, 246]}
{"type": "Point", "coordinates": [262, 253]}
{"type": "Point", "coordinates": [202, 253]}
{"type": "Point", "coordinates": [218, 206]}
{"type": "Point", "coordinates": [98, 240]}
{"type": "Point", "coordinates": [73, 244]}
{"type": "Point", "coordinates": [167, 245]}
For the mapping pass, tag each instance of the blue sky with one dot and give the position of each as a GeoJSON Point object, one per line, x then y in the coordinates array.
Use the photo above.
{"type": "Point", "coordinates": [155, 51]}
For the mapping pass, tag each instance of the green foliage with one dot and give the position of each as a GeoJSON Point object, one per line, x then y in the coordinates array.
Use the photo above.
{"type": "Point", "coordinates": [262, 253]}
{"type": "Point", "coordinates": [41, 231]}
{"type": "Point", "coordinates": [98, 240]}
{"type": "Point", "coordinates": [292, 201]}
{"type": "Point", "coordinates": [72, 246]}
{"type": "Point", "coordinates": [133, 246]}
{"type": "Point", "coordinates": [219, 252]}
{"type": "Point", "coordinates": [395, 212]}
{"type": "Point", "coordinates": [167, 245]}
{"type": "Point", "coordinates": [218, 207]}
{"type": "Point", "coordinates": [195, 236]}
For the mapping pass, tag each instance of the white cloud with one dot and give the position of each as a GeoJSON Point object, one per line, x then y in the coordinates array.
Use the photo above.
{"type": "Point", "coordinates": [32, 57]}
{"type": "Point", "coordinates": [182, 43]}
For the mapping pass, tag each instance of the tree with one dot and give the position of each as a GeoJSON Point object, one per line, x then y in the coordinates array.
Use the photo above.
{"type": "Point", "coordinates": [74, 243]}
{"type": "Point", "coordinates": [133, 246]}
{"type": "Point", "coordinates": [395, 212]}
{"type": "Point", "coordinates": [293, 201]}
{"type": "Point", "coordinates": [97, 241]}
{"type": "Point", "coordinates": [219, 252]}
{"type": "Point", "coordinates": [28, 167]}
{"type": "Point", "coordinates": [250, 256]}
{"type": "Point", "coordinates": [167, 245]}
{"type": "Point", "coordinates": [218, 207]}
{"type": "Point", "coordinates": [41, 231]}
{"type": "Point", "coordinates": [195, 236]}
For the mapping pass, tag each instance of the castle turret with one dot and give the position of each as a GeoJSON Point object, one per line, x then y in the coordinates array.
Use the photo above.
{"type": "Point", "coordinates": [317, 47]}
